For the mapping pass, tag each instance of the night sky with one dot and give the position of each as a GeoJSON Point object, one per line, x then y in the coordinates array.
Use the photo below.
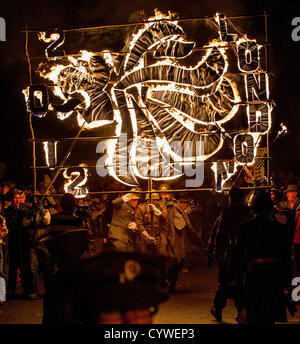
{"type": "Point", "coordinates": [284, 63]}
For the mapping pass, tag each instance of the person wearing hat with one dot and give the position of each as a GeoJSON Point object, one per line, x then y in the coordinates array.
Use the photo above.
{"type": "Point", "coordinates": [293, 205]}
{"type": "Point", "coordinates": [123, 230]}
{"type": "Point", "coordinates": [261, 264]}
{"type": "Point", "coordinates": [176, 222]}
{"type": "Point", "coordinates": [293, 201]}
{"type": "Point", "coordinates": [149, 218]}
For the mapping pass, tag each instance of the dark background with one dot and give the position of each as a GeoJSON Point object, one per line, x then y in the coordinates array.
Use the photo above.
{"type": "Point", "coordinates": [284, 58]}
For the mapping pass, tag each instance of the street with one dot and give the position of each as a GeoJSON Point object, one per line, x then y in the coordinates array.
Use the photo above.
{"type": "Point", "coordinates": [189, 304]}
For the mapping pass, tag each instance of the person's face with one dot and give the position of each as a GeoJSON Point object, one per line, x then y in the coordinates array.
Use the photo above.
{"type": "Point", "coordinates": [104, 197]}
{"type": "Point", "coordinates": [183, 204]}
{"type": "Point", "coordinates": [273, 196]}
{"type": "Point", "coordinates": [165, 196]}
{"type": "Point", "coordinates": [198, 206]}
{"type": "Point", "coordinates": [134, 203]}
{"type": "Point", "coordinates": [5, 189]}
{"type": "Point", "coordinates": [291, 196]}
{"type": "Point", "coordinates": [98, 205]}
{"type": "Point", "coordinates": [16, 201]}
{"type": "Point", "coordinates": [22, 198]}
{"type": "Point", "coordinates": [80, 203]}
{"type": "Point", "coordinates": [27, 192]}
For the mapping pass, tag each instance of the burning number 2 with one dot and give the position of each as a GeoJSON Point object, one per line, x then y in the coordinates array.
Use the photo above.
{"type": "Point", "coordinates": [59, 39]}
{"type": "Point", "coordinates": [77, 177]}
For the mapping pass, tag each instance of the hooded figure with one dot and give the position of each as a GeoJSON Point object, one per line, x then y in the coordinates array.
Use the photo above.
{"type": "Point", "coordinates": [261, 264]}
{"type": "Point", "coordinates": [222, 242]}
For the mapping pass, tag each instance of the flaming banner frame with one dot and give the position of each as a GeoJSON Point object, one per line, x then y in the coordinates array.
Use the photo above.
{"type": "Point", "coordinates": [163, 84]}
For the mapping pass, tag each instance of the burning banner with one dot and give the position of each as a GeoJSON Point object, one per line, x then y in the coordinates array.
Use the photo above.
{"type": "Point", "coordinates": [163, 92]}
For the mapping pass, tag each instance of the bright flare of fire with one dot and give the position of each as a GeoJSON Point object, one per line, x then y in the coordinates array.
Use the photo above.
{"type": "Point", "coordinates": [71, 179]}
{"type": "Point", "coordinates": [53, 37]}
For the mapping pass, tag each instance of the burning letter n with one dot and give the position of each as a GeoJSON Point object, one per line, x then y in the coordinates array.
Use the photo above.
{"type": "Point", "coordinates": [2, 30]}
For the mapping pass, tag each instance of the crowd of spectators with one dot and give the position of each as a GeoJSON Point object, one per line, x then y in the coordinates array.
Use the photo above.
{"type": "Point", "coordinates": [24, 220]}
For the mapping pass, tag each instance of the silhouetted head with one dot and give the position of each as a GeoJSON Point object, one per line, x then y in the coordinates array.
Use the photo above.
{"type": "Point", "coordinates": [68, 203]}
{"type": "Point", "coordinates": [236, 196]}
{"type": "Point", "coordinates": [262, 203]}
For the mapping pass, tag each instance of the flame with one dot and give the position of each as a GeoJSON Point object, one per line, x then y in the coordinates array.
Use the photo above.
{"type": "Point", "coordinates": [257, 114]}
{"type": "Point", "coordinates": [256, 141]}
{"type": "Point", "coordinates": [284, 129]}
{"type": "Point", "coordinates": [79, 185]}
{"type": "Point", "coordinates": [53, 74]}
{"type": "Point", "coordinates": [151, 21]}
{"type": "Point", "coordinates": [53, 37]}
{"type": "Point", "coordinates": [95, 124]}
{"type": "Point", "coordinates": [110, 161]}
{"type": "Point", "coordinates": [85, 55]}
{"type": "Point", "coordinates": [74, 62]}
{"type": "Point", "coordinates": [46, 150]}
{"type": "Point", "coordinates": [170, 87]}
{"type": "Point", "coordinates": [160, 15]}
{"type": "Point", "coordinates": [223, 180]}
{"type": "Point", "coordinates": [26, 94]}
{"type": "Point", "coordinates": [168, 61]}
{"type": "Point", "coordinates": [45, 144]}
{"type": "Point", "coordinates": [108, 58]}
{"type": "Point", "coordinates": [153, 86]}
{"type": "Point", "coordinates": [58, 92]}
{"type": "Point", "coordinates": [37, 94]}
